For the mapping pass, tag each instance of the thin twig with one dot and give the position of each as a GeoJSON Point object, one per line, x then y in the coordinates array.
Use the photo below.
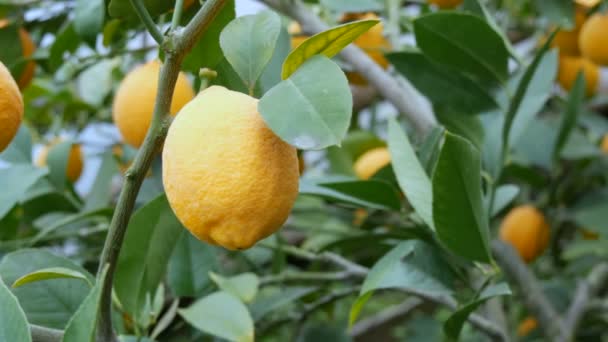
{"type": "Point", "coordinates": [401, 94]}
{"type": "Point", "coordinates": [146, 19]}
{"type": "Point", "coordinates": [177, 14]}
{"type": "Point", "coordinates": [534, 298]}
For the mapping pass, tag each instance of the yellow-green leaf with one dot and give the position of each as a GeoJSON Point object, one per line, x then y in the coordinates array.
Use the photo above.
{"type": "Point", "coordinates": [50, 273]}
{"type": "Point", "coordinates": [327, 43]}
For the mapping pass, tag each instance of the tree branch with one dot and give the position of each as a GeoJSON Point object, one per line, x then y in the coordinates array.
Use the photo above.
{"type": "Point", "coordinates": [152, 143]}
{"type": "Point", "coordinates": [585, 291]}
{"type": "Point", "coordinates": [44, 334]}
{"type": "Point", "coordinates": [146, 19]}
{"type": "Point", "coordinates": [401, 94]}
{"type": "Point", "coordinates": [534, 298]}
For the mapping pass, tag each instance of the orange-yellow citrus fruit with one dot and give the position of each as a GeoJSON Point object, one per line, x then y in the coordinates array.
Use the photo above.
{"type": "Point", "coordinates": [593, 39]}
{"type": "Point", "coordinates": [567, 41]}
{"type": "Point", "coordinates": [134, 101]}
{"type": "Point", "coordinates": [188, 3]}
{"type": "Point", "coordinates": [74, 167]}
{"type": "Point", "coordinates": [371, 162]}
{"type": "Point", "coordinates": [569, 68]}
{"type": "Point", "coordinates": [587, 3]}
{"type": "Point", "coordinates": [604, 144]}
{"type": "Point", "coordinates": [11, 107]}
{"type": "Point", "coordinates": [445, 4]}
{"type": "Point", "coordinates": [526, 230]}
{"type": "Point", "coordinates": [526, 326]}
{"type": "Point", "coordinates": [27, 49]}
{"type": "Point", "coordinates": [372, 42]}
{"type": "Point", "coordinates": [229, 179]}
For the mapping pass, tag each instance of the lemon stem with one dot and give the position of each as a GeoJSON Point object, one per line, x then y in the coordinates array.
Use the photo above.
{"type": "Point", "coordinates": [146, 19]}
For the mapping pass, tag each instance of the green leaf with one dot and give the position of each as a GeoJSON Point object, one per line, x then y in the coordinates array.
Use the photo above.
{"type": "Point", "coordinates": [248, 43]}
{"type": "Point", "coordinates": [505, 194]}
{"type": "Point", "coordinates": [458, 210]}
{"type": "Point", "coordinates": [122, 9]}
{"type": "Point", "coordinates": [522, 91]}
{"type": "Point", "coordinates": [411, 176]}
{"type": "Point", "coordinates": [14, 325]}
{"type": "Point", "coordinates": [96, 82]}
{"type": "Point", "coordinates": [444, 87]}
{"type": "Point", "coordinates": [560, 13]}
{"type": "Point", "coordinates": [82, 325]}
{"type": "Point", "coordinates": [593, 216]}
{"type": "Point", "coordinates": [371, 193]}
{"type": "Point", "coordinates": [9, 36]}
{"type": "Point", "coordinates": [207, 53]}
{"type": "Point", "coordinates": [100, 194]}
{"type": "Point", "coordinates": [272, 74]}
{"type": "Point", "coordinates": [575, 102]}
{"type": "Point", "coordinates": [466, 126]}
{"type": "Point", "coordinates": [327, 43]}
{"type": "Point", "coordinates": [308, 111]}
{"type": "Point", "coordinates": [353, 5]}
{"type": "Point", "coordinates": [430, 148]}
{"type": "Point", "coordinates": [243, 286]}
{"type": "Point", "coordinates": [265, 304]}
{"type": "Point", "coordinates": [14, 181]}
{"type": "Point", "coordinates": [20, 149]}
{"type": "Point", "coordinates": [67, 40]}
{"type": "Point", "coordinates": [453, 325]}
{"type": "Point", "coordinates": [413, 266]}
{"type": "Point", "coordinates": [222, 315]}
{"type": "Point", "coordinates": [88, 19]}
{"type": "Point", "coordinates": [464, 42]}
{"type": "Point", "coordinates": [149, 242]}
{"type": "Point", "coordinates": [50, 303]}
{"type": "Point", "coordinates": [57, 162]}
{"type": "Point", "coordinates": [189, 266]}
{"type": "Point", "coordinates": [50, 273]}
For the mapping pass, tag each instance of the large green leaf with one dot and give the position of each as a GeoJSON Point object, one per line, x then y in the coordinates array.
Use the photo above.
{"type": "Point", "coordinates": [189, 266]}
{"type": "Point", "coordinates": [272, 74]}
{"type": "Point", "coordinates": [466, 126]}
{"type": "Point", "coordinates": [100, 194]}
{"type": "Point", "coordinates": [327, 43]}
{"type": "Point", "coordinates": [243, 286]}
{"type": "Point", "coordinates": [308, 111]}
{"type": "Point", "coordinates": [463, 41]}
{"type": "Point", "coordinates": [14, 181]}
{"type": "Point", "coordinates": [371, 193]}
{"type": "Point", "coordinates": [81, 327]}
{"type": "Point", "coordinates": [151, 236]}
{"type": "Point", "coordinates": [593, 216]}
{"type": "Point", "coordinates": [57, 162]}
{"type": "Point", "coordinates": [123, 9]}
{"type": "Point", "coordinates": [49, 303]}
{"type": "Point", "coordinates": [444, 87]}
{"type": "Point", "coordinates": [50, 273]}
{"type": "Point", "coordinates": [207, 53]}
{"type": "Point", "coordinates": [14, 323]}
{"type": "Point", "coordinates": [20, 149]}
{"type": "Point", "coordinates": [9, 36]}
{"type": "Point", "coordinates": [67, 40]}
{"type": "Point", "coordinates": [267, 303]}
{"type": "Point", "coordinates": [412, 178]}
{"type": "Point", "coordinates": [248, 43]}
{"type": "Point", "coordinates": [222, 315]}
{"type": "Point", "coordinates": [458, 211]}
{"type": "Point", "coordinates": [453, 325]}
{"type": "Point", "coordinates": [568, 123]}
{"type": "Point", "coordinates": [88, 19]}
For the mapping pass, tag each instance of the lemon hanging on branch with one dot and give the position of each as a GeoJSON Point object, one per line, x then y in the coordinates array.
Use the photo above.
{"type": "Point", "coordinates": [11, 107]}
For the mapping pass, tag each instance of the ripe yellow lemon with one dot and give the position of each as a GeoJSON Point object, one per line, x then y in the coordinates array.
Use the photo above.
{"type": "Point", "coordinates": [445, 4]}
{"type": "Point", "coordinates": [604, 144]}
{"type": "Point", "coordinates": [526, 326]}
{"type": "Point", "coordinates": [229, 179]}
{"type": "Point", "coordinates": [11, 107]}
{"type": "Point", "coordinates": [567, 41]}
{"type": "Point", "coordinates": [526, 230]}
{"type": "Point", "coordinates": [569, 68]}
{"type": "Point", "coordinates": [593, 39]}
{"type": "Point", "coordinates": [371, 162]}
{"type": "Point", "coordinates": [27, 49]}
{"type": "Point", "coordinates": [372, 42]}
{"type": "Point", "coordinates": [134, 101]}
{"type": "Point", "coordinates": [74, 167]}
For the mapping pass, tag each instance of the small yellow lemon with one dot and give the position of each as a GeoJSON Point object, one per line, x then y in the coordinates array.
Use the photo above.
{"type": "Point", "coordinates": [593, 39]}
{"type": "Point", "coordinates": [11, 107]}
{"type": "Point", "coordinates": [229, 179]}
{"type": "Point", "coordinates": [74, 167]}
{"type": "Point", "coordinates": [526, 230]}
{"type": "Point", "coordinates": [445, 4]}
{"type": "Point", "coordinates": [569, 68]}
{"type": "Point", "coordinates": [526, 326]}
{"type": "Point", "coordinates": [27, 49]}
{"type": "Point", "coordinates": [134, 101]}
{"type": "Point", "coordinates": [371, 162]}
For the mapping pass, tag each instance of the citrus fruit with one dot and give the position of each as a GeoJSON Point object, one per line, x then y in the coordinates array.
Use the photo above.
{"type": "Point", "coordinates": [526, 326]}
{"type": "Point", "coordinates": [229, 179]}
{"type": "Point", "coordinates": [567, 40]}
{"type": "Point", "coordinates": [445, 4]}
{"type": "Point", "coordinates": [371, 162]}
{"type": "Point", "coordinates": [526, 230]}
{"type": "Point", "coordinates": [133, 105]}
{"type": "Point", "coordinates": [568, 70]}
{"type": "Point", "coordinates": [604, 144]}
{"type": "Point", "coordinates": [593, 38]}
{"type": "Point", "coordinates": [11, 107]}
{"type": "Point", "coordinates": [27, 49]}
{"type": "Point", "coordinates": [74, 167]}
{"type": "Point", "coordinates": [372, 42]}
